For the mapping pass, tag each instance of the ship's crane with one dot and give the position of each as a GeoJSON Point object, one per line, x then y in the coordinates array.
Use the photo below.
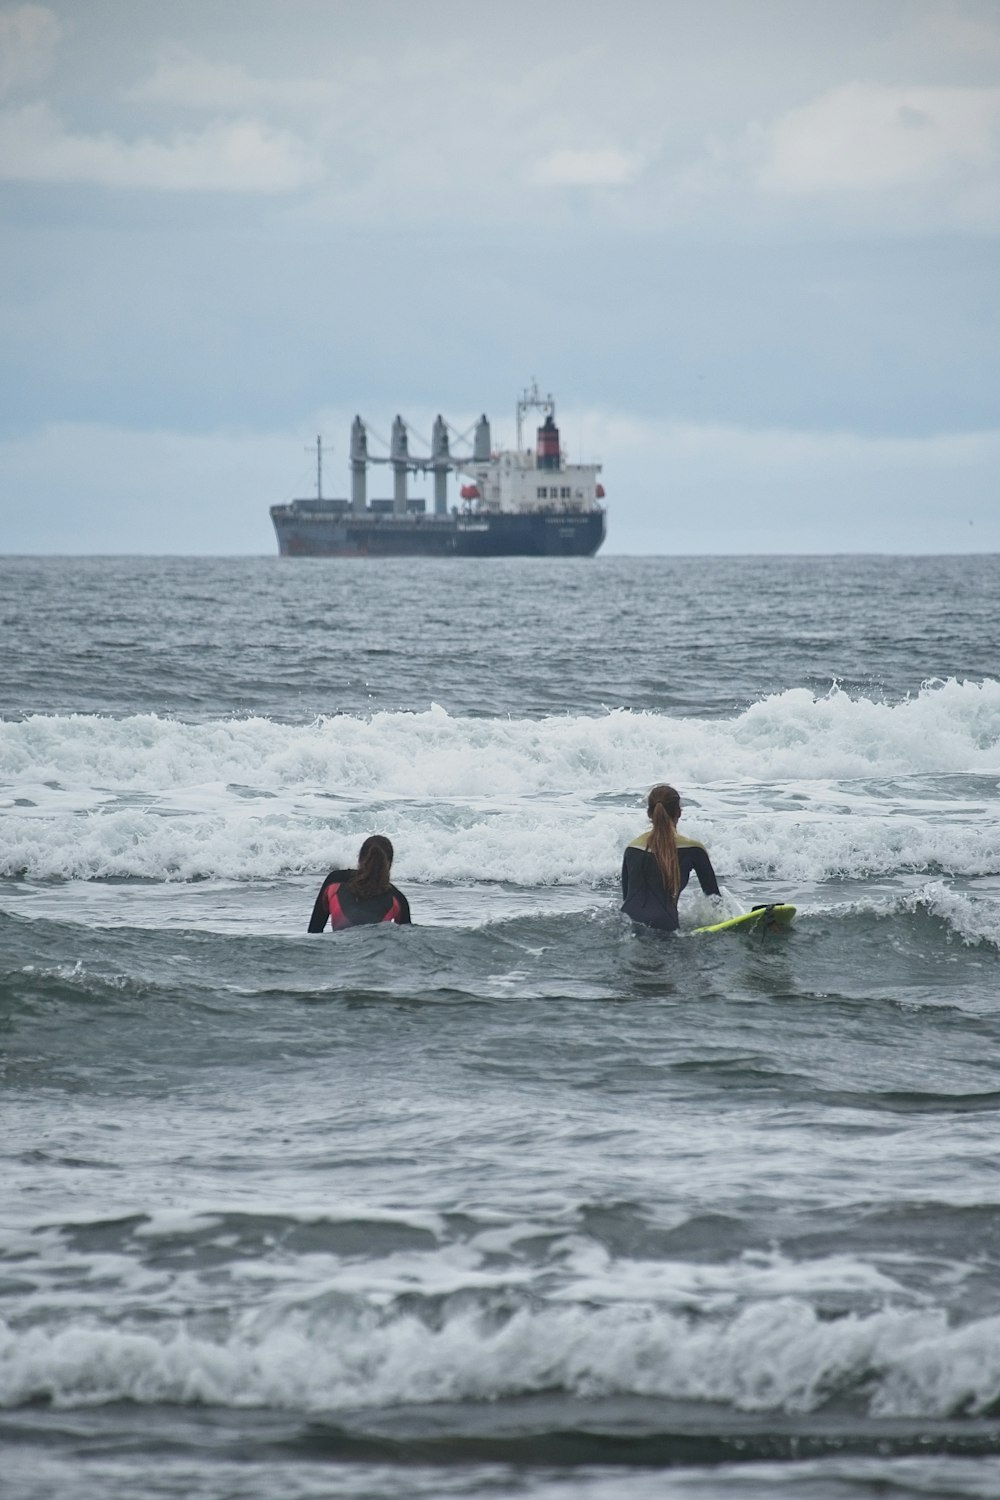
{"type": "Point", "coordinates": [440, 462]}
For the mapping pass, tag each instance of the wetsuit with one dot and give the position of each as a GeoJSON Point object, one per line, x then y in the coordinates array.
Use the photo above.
{"type": "Point", "coordinates": [338, 905]}
{"type": "Point", "coordinates": [644, 897]}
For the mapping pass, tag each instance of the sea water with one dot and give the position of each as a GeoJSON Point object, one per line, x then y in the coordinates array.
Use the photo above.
{"type": "Point", "coordinates": [520, 1200]}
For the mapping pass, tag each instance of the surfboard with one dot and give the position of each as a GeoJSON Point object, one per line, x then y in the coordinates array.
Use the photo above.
{"type": "Point", "coordinates": [762, 919]}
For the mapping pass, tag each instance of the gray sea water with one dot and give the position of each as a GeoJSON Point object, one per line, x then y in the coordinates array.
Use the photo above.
{"type": "Point", "coordinates": [519, 1201]}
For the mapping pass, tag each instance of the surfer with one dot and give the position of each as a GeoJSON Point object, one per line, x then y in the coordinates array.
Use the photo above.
{"type": "Point", "coordinates": [355, 898]}
{"type": "Point", "coordinates": [658, 864]}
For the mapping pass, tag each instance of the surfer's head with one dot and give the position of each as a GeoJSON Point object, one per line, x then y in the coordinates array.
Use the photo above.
{"type": "Point", "coordinates": [663, 808]}
{"type": "Point", "coordinates": [374, 864]}
{"type": "Point", "coordinates": [665, 797]}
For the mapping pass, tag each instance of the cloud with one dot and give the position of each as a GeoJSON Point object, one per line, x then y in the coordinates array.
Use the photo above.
{"type": "Point", "coordinates": [28, 37]}
{"type": "Point", "coordinates": [973, 38]}
{"type": "Point", "coordinates": [234, 156]}
{"type": "Point", "coordinates": [869, 136]}
{"type": "Point", "coordinates": [397, 151]}
{"type": "Point", "coordinates": [602, 168]}
{"type": "Point", "coordinates": [188, 80]}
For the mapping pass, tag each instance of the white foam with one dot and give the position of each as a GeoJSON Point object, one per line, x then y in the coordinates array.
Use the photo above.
{"type": "Point", "coordinates": [949, 726]}
{"type": "Point", "coordinates": [798, 788]}
{"type": "Point", "coordinates": [773, 1355]}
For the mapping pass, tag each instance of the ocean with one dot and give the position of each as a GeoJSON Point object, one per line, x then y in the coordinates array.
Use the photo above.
{"type": "Point", "coordinates": [519, 1201]}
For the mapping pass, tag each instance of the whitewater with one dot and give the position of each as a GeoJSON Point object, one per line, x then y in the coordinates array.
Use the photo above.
{"type": "Point", "coordinates": [519, 1201]}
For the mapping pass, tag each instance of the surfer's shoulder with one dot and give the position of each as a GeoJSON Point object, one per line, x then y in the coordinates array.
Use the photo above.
{"type": "Point", "coordinates": [642, 842]}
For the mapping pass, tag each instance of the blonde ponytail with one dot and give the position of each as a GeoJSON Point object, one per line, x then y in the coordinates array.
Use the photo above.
{"type": "Point", "coordinates": [663, 808]}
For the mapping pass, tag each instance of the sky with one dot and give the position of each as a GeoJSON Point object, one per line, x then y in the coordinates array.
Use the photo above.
{"type": "Point", "coordinates": [750, 246]}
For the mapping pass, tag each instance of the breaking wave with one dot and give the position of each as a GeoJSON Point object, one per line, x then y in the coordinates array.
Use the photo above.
{"type": "Point", "coordinates": [799, 786]}
{"type": "Point", "coordinates": [773, 1356]}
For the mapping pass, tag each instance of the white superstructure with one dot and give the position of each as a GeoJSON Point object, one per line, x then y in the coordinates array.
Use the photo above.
{"type": "Point", "coordinates": [528, 479]}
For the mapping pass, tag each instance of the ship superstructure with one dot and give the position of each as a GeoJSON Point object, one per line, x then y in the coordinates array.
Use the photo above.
{"type": "Point", "coordinates": [522, 502]}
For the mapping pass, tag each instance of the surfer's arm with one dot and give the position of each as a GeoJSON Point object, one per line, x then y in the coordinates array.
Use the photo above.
{"type": "Point", "coordinates": [702, 866]}
{"type": "Point", "coordinates": [625, 877]}
{"type": "Point", "coordinates": [321, 910]}
{"type": "Point", "coordinates": [404, 907]}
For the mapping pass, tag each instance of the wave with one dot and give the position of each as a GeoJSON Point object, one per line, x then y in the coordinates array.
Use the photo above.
{"type": "Point", "coordinates": [526, 846]}
{"type": "Point", "coordinates": [331, 1353]}
{"type": "Point", "coordinates": [973, 920]}
{"type": "Point", "coordinates": [796, 787]}
{"type": "Point", "coordinates": [949, 726]}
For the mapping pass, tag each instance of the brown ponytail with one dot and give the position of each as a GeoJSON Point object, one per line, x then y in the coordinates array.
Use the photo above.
{"type": "Point", "coordinates": [663, 808]}
{"type": "Point", "coordinates": [374, 862]}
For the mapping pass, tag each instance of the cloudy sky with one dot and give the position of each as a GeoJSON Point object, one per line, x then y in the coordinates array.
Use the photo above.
{"type": "Point", "coordinates": [750, 245]}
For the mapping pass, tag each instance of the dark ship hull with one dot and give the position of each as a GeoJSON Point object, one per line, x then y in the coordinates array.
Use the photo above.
{"type": "Point", "coordinates": [313, 528]}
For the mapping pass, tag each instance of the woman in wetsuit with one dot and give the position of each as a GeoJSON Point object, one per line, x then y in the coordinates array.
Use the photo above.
{"type": "Point", "coordinates": [659, 863]}
{"type": "Point", "coordinates": [355, 898]}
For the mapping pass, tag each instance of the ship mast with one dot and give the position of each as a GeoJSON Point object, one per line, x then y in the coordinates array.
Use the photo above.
{"type": "Point", "coordinates": [319, 466]}
{"type": "Point", "coordinates": [532, 400]}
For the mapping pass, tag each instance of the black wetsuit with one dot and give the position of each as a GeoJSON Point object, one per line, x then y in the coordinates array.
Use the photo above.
{"type": "Point", "coordinates": [338, 905]}
{"type": "Point", "coordinates": [644, 897]}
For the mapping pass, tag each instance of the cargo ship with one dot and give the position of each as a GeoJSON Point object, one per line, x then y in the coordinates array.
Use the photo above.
{"type": "Point", "coordinates": [525, 502]}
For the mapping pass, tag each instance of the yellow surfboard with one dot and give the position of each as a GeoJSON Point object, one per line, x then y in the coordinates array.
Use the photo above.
{"type": "Point", "coordinates": [761, 919]}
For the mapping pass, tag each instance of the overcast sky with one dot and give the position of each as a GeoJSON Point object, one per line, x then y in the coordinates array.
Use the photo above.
{"type": "Point", "coordinates": [751, 246]}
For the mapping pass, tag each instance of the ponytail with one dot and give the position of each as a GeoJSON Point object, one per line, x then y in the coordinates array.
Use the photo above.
{"type": "Point", "coordinates": [663, 809]}
{"type": "Point", "coordinates": [374, 862]}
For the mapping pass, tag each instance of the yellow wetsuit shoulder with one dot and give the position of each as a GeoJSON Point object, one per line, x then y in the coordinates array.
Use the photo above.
{"type": "Point", "coordinates": [642, 841]}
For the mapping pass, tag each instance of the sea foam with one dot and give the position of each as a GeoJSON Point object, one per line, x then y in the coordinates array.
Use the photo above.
{"type": "Point", "coordinates": [797, 787]}
{"type": "Point", "coordinates": [776, 1355]}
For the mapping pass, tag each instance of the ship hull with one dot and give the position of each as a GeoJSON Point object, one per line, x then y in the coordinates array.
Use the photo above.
{"type": "Point", "coordinates": [302, 533]}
